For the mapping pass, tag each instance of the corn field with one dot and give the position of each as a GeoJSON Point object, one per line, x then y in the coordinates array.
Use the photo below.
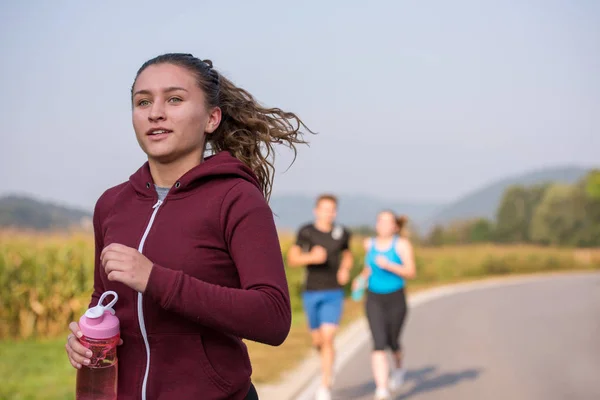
{"type": "Point", "coordinates": [46, 280]}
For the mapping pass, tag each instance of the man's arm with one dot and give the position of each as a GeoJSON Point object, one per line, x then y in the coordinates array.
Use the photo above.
{"type": "Point", "coordinates": [298, 258]}
{"type": "Point", "coordinates": [347, 260]}
{"type": "Point", "coordinates": [346, 263]}
{"type": "Point", "coordinates": [347, 257]}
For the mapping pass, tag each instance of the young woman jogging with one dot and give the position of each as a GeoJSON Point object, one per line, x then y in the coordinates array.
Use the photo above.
{"type": "Point", "coordinates": [188, 242]}
{"type": "Point", "coordinates": [389, 261]}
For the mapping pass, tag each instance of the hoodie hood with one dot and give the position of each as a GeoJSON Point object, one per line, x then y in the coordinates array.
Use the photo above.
{"type": "Point", "coordinates": [218, 166]}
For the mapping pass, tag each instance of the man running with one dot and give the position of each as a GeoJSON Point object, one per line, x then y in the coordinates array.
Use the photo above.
{"type": "Point", "coordinates": [323, 247]}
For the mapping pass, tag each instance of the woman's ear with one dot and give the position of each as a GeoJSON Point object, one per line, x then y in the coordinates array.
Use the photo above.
{"type": "Point", "coordinates": [214, 119]}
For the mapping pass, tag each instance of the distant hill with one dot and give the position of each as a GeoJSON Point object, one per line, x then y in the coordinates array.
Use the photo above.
{"type": "Point", "coordinates": [291, 211]}
{"type": "Point", "coordinates": [27, 212]}
{"type": "Point", "coordinates": [355, 210]}
{"type": "Point", "coordinates": [485, 201]}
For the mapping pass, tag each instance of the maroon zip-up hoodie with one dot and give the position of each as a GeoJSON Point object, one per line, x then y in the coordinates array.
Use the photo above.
{"type": "Point", "coordinates": [218, 277]}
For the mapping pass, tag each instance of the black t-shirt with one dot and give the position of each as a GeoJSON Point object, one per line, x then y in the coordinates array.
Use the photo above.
{"type": "Point", "coordinates": [323, 276]}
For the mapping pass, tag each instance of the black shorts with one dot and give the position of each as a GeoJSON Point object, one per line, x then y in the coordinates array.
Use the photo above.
{"type": "Point", "coordinates": [386, 314]}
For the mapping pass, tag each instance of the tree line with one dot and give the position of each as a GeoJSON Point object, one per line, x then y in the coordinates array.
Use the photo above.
{"type": "Point", "coordinates": [552, 214]}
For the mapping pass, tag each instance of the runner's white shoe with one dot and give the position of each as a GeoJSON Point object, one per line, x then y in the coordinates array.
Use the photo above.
{"type": "Point", "coordinates": [323, 393]}
{"type": "Point", "coordinates": [397, 378]}
{"type": "Point", "coordinates": [382, 394]}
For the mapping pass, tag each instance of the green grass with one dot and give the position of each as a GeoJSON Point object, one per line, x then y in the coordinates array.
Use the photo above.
{"type": "Point", "coordinates": [36, 370]}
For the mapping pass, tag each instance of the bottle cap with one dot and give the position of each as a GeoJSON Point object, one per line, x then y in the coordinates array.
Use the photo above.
{"type": "Point", "coordinates": [100, 322]}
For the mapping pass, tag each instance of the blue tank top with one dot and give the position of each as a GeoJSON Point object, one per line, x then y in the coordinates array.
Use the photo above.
{"type": "Point", "coordinates": [380, 280]}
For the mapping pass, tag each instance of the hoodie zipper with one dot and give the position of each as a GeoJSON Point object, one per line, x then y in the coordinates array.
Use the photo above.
{"type": "Point", "coordinates": [140, 308]}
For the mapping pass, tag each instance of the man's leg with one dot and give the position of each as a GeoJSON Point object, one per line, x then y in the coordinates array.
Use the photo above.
{"type": "Point", "coordinates": [328, 332]}
{"type": "Point", "coordinates": [313, 302]}
{"type": "Point", "coordinates": [317, 339]}
{"type": "Point", "coordinates": [310, 303]}
{"type": "Point", "coordinates": [329, 314]}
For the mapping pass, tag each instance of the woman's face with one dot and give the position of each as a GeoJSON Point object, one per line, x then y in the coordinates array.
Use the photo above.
{"type": "Point", "coordinates": [170, 117]}
{"type": "Point", "coordinates": [386, 224]}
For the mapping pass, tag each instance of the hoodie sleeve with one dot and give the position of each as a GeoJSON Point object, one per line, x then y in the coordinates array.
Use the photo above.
{"type": "Point", "coordinates": [260, 310]}
{"type": "Point", "coordinates": [100, 211]}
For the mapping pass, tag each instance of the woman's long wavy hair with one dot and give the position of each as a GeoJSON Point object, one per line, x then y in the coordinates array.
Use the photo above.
{"type": "Point", "coordinates": [248, 131]}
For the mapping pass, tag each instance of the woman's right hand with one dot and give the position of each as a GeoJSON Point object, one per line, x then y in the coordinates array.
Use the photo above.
{"type": "Point", "coordinates": [78, 354]}
{"type": "Point", "coordinates": [357, 282]}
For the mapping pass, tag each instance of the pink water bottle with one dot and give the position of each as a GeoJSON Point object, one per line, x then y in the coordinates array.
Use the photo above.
{"type": "Point", "coordinates": [100, 328]}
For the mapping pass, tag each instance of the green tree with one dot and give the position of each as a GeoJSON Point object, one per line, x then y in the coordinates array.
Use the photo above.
{"type": "Point", "coordinates": [592, 184]}
{"type": "Point", "coordinates": [558, 218]}
{"type": "Point", "coordinates": [413, 233]}
{"type": "Point", "coordinates": [436, 236]}
{"type": "Point", "coordinates": [569, 214]}
{"type": "Point", "coordinates": [589, 194]}
{"type": "Point", "coordinates": [515, 213]}
{"type": "Point", "coordinates": [457, 232]}
{"type": "Point", "coordinates": [481, 230]}
{"type": "Point", "coordinates": [511, 219]}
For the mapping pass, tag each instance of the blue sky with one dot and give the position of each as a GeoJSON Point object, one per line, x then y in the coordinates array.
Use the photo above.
{"type": "Point", "coordinates": [428, 99]}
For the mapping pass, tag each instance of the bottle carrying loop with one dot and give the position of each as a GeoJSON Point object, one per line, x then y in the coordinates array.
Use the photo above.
{"type": "Point", "coordinates": [98, 311]}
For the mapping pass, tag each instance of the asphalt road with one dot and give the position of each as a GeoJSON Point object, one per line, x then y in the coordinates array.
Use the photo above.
{"type": "Point", "coordinates": [535, 340]}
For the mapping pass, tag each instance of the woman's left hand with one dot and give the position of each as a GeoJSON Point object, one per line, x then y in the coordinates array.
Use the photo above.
{"type": "Point", "coordinates": [126, 265]}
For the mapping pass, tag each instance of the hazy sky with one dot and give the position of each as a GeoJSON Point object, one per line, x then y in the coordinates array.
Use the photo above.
{"type": "Point", "coordinates": [428, 99]}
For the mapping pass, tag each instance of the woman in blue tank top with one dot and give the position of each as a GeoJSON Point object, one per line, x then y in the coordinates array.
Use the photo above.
{"type": "Point", "coordinates": [389, 261]}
